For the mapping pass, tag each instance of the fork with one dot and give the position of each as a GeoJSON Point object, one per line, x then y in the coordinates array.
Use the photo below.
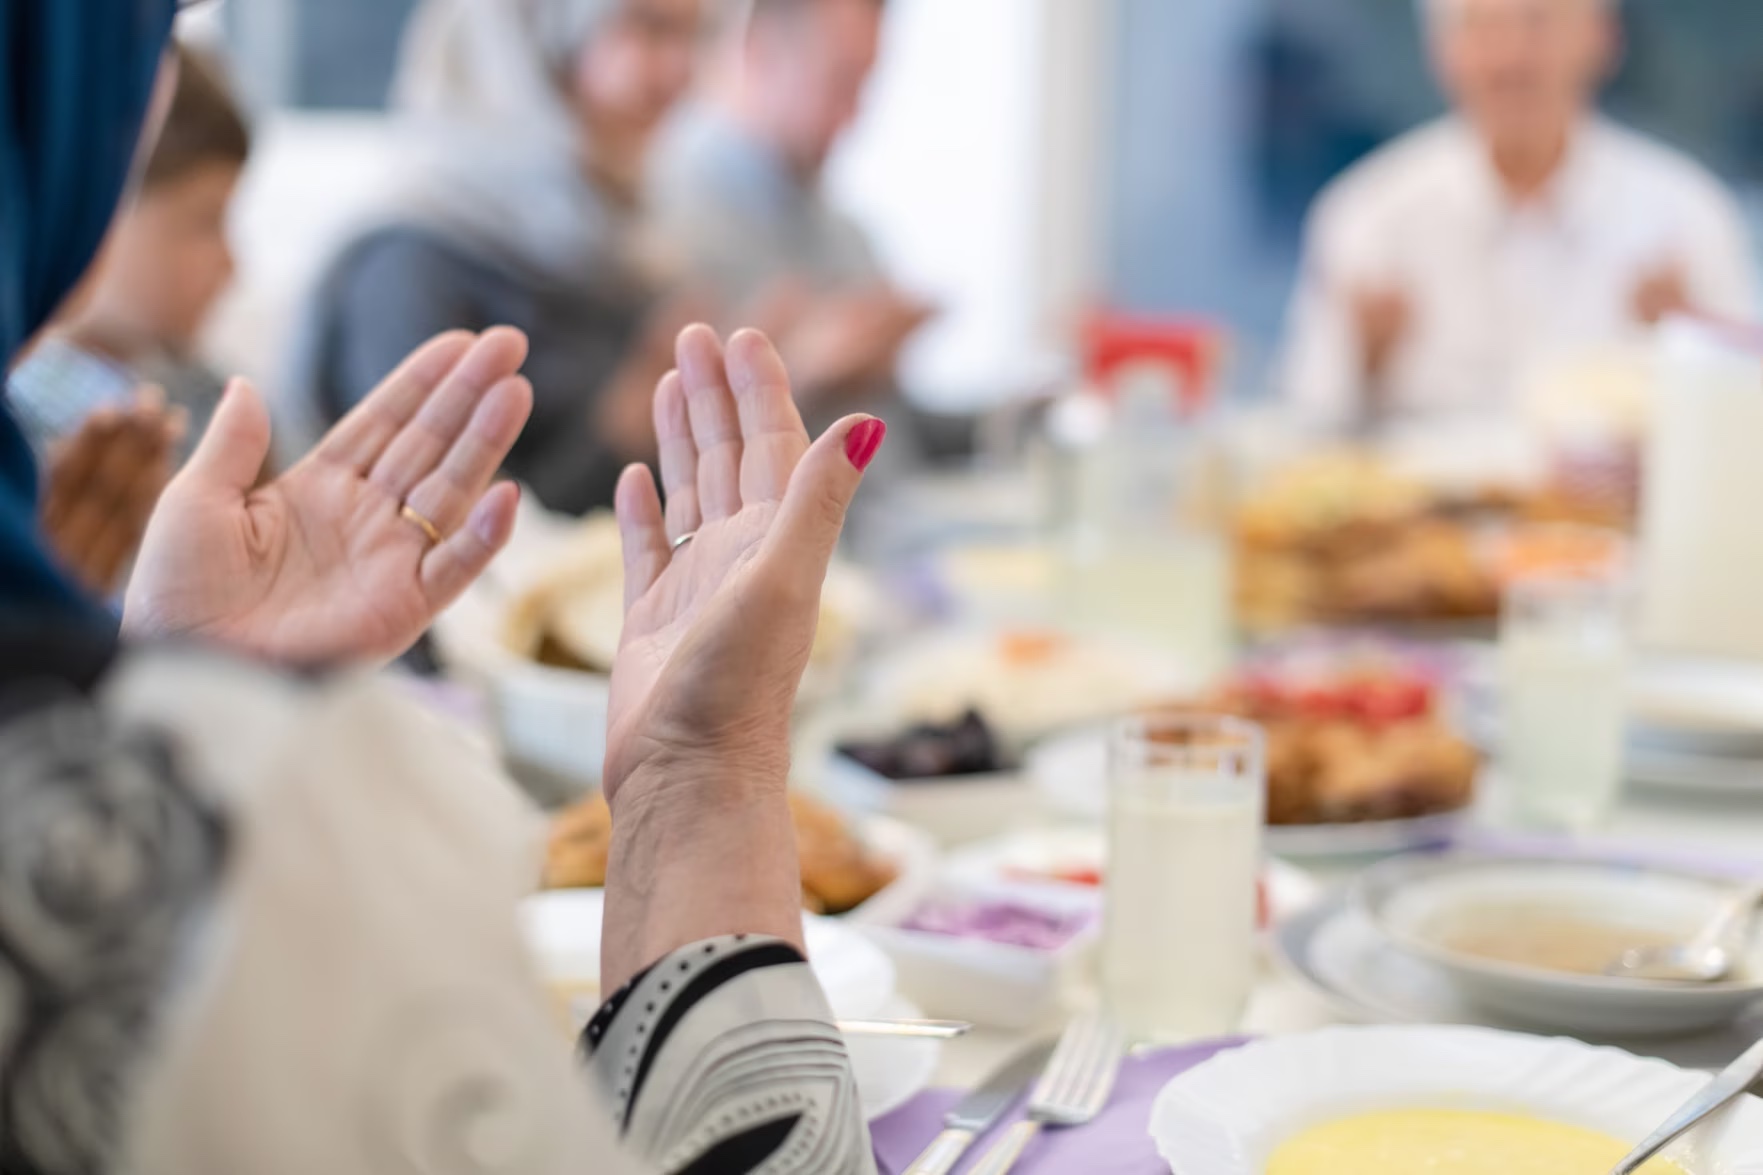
{"type": "Point", "coordinates": [1071, 1092]}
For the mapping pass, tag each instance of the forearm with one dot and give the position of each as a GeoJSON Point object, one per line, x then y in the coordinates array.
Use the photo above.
{"type": "Point", "coordinates": [696, 857]}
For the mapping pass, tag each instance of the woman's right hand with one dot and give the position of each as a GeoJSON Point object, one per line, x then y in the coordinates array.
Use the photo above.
{"type": "Point", "coordinates": [717, 634]}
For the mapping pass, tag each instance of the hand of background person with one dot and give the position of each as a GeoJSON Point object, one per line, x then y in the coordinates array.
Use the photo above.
{"type": "Point", "coordinates": [319, 565]}
{"type": "Point", "coordinates": [1384, 317]}
{"type": "Point", "coordinates": [843, 344]}
{"type": "Point", "coordinates": [102, 484]}
{"type": "Point", "coordinates": [624, 419]}
{"type": "Point", "coordinates": [1661, 293]}
{"type": "Point", "coordinates": [717, 634]}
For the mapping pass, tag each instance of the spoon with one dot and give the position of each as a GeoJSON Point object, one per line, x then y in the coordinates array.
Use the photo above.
{"type": "Point", "coordinates": [1711, 956]}
{"type": "Point", "coordinates": [1720, 1093]}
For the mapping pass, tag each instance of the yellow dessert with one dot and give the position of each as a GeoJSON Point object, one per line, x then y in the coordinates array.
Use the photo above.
{"type": "Point", "coordinates": [1449, 1142]}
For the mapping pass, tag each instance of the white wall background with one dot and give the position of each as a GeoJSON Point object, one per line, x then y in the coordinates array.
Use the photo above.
{"type": "Point", "coordinates": [977, 166]}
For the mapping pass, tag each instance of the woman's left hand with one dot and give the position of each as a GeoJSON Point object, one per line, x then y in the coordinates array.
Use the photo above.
{"type": "Point", "coordinates": [321, 565]}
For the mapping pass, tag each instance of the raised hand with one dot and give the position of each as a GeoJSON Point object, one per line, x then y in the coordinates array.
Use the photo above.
{"type": "Point", "coordinates": [102, 484]}
{"type": "Point", "coordinates": [722, 599]}
{"type": "Point", "coordinates": [324, 564]}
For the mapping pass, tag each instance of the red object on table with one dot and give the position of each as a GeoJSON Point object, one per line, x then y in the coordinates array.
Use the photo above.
{"type": "Point", "coordinates": [1193, 348]}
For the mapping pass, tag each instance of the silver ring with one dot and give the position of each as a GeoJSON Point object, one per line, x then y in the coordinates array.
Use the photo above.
{"type": "Point", "coordinates": [683, 539]}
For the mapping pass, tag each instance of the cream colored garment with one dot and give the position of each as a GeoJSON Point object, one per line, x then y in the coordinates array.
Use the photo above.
{"type": "Point", "coordinates": [361, 1003]}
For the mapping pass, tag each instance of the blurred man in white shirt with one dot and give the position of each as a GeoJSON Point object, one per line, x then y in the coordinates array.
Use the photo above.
{"type": "Point", "coordinates": [1522, 228]}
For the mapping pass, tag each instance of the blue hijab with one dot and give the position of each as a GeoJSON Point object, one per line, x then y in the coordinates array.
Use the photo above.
{"type": "Point", "coordinates": [76, 79]}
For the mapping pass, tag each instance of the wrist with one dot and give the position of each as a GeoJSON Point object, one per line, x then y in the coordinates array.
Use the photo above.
{"type": "Point", "coordinates": [694, 857]}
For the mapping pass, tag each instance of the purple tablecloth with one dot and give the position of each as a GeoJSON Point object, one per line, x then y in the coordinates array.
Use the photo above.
{"type": "Point", "coordinates": [1116, 1143]}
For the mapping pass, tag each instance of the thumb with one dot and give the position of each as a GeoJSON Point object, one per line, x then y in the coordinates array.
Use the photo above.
{"type": "Point", "coordinates": [233, 450]}
{"type": "Point", "coordinates": [821, 489]}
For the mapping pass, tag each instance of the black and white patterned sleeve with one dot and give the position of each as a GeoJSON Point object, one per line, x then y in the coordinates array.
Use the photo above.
{"type": "Point", "coordinates": [723, 1058]}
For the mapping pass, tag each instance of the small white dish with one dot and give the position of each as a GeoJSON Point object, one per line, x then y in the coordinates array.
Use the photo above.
{"type": "Point", "coordinates": [1071, 773]}
{"type": "Point", "coordinates": [1422, 903]}
{"type": "Point", "coordinates": [1229, 1116]}
{"type": "Point", "coordinates": [997, 985]}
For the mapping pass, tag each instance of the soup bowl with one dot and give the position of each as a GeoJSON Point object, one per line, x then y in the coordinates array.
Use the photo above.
{"type": "Point", "coordinates": [1231, 1115]}
{"type": "Point", "coordinates": [1529, 939]}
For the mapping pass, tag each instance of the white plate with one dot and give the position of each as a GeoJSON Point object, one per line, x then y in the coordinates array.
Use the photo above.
{"type": "Point", "coordinates": [563, 931]}
{"type": "Point", "coordinates": [1410, 900]}
{"type": "Point", "coordinates": [1072, 773]}
{"type": "Point", "coordinates": [1700, 706]}
{"type": "Point", "coordinates": [1083, 680]}
{"type": "Point", "coordinates": [1228, 1116]}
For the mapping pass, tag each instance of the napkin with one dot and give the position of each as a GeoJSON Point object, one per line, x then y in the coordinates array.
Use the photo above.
{"type": "Point", "coordinates": [1118, 1142]}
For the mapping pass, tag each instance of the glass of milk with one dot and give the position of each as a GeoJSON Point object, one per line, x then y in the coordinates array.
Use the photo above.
{"type": "Point", "coordinates": [1187, 795]}
{"type": "Point", "coordinates": [1563, 681]}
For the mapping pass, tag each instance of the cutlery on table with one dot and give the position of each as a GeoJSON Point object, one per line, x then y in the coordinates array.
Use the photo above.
{"type": "Point", "coordinates": [1716, 951]}
{"type": "Point", "coordinates": [980, 1110]}
{"type": "Point", "coordinates": [1721, 1092]}
{"type": "Point", "coordinates": [1071, 1092]}
{"type": "Point", "coordinates": [906, 1029]}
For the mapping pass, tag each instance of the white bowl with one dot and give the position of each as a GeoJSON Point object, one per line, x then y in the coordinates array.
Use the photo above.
{"type": "Point", "coordinates": [1412, 901]}
{"type": "Point", "coordinates": [1228, 1116]}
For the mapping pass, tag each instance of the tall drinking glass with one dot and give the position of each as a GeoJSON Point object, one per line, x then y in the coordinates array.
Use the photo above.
{"type": "Point", "coordinates": [1563, 677]}
{"type": "Point", "coordinates": [1186, 801]}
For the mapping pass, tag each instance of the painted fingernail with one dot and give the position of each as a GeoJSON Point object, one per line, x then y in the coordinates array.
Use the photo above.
{"type": "Point", "coordinates": [864, 442]}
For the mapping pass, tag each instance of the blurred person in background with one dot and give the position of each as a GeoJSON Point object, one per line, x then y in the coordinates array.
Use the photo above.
{"type": "Point", "coordinates": [1521, 228]}
{"type": "Point", "coordinates": [112, 396]}
{"type": "Point", "coordinates": [742, 194]}
{"type": "Point", "coordinates": [523, 202]}
{"type": "Point", "coordinates": [138, 318]}
{"type": "Point", "coordinates": [247, 889]}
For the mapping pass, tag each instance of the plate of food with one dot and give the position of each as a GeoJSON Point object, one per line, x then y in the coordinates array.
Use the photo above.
{"type": "Point", "coordinates": [1531, 939]}
{"type": "Point", "coordinates": [848, 865]}
{"type": "Point", "coordinates": [1026, 682]}
{"type": "Point", "coordinates": [563, 930]}
{"type": "Point", "coordinates": [540, 629]}
{"type": "Point", "coordinates": [1361, 756]}
{"type": "Point", "coordinates": [1456, 1100]}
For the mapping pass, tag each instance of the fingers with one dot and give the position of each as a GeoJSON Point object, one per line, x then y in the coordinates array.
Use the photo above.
{"type": "Point", "coordinates": [71, 468]}
{"type": "Point", "coordinates": [647, 550]}
{"type": "Point", "coordinates": [774, 437]}
{"type": "Point", "coordinates": [233, 450]}
{"type": "Point", "coordinates": [446, 496]}
{"type": "Point", "coordinates": [97, 515]}
{"type": "Point", "coordinates": [423, 443]}
{"type": "Point", "coordinates": [813, 512]}
{"type": "Point", "coordinates": [451, 567]}
{"type": "Point", "coordinates": [364, 434]}
{"type": "Point", "coordinates": [679, 456]}
{"type": "Point", "coordinates": [716, 427]}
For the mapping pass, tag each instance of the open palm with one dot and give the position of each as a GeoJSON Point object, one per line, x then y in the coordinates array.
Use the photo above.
{"type": "Point", "coordinates": [717, 632]}
{"type": "Point", "coordinates": [320, 565]}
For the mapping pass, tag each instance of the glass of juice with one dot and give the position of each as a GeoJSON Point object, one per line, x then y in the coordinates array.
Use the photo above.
{"type": "Point", "coordinates": [1564, 648]}
{"type": "Point", "coordinates": [1187, 794]}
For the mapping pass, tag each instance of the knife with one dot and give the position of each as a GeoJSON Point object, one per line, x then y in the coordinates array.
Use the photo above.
{"type": "Point", "coordinates": [981, 1109]}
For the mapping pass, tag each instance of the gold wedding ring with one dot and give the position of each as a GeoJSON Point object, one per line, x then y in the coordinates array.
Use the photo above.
{"type": "Point", "coordinates": [421, 523]}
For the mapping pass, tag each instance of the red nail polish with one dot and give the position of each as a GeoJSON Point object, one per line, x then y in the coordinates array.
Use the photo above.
{"type": "Point", "coordinates": [864, 442]}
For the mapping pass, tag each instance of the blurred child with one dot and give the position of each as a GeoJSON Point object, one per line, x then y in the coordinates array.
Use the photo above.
{"type": "Point", "coordinates": [137, 318]}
